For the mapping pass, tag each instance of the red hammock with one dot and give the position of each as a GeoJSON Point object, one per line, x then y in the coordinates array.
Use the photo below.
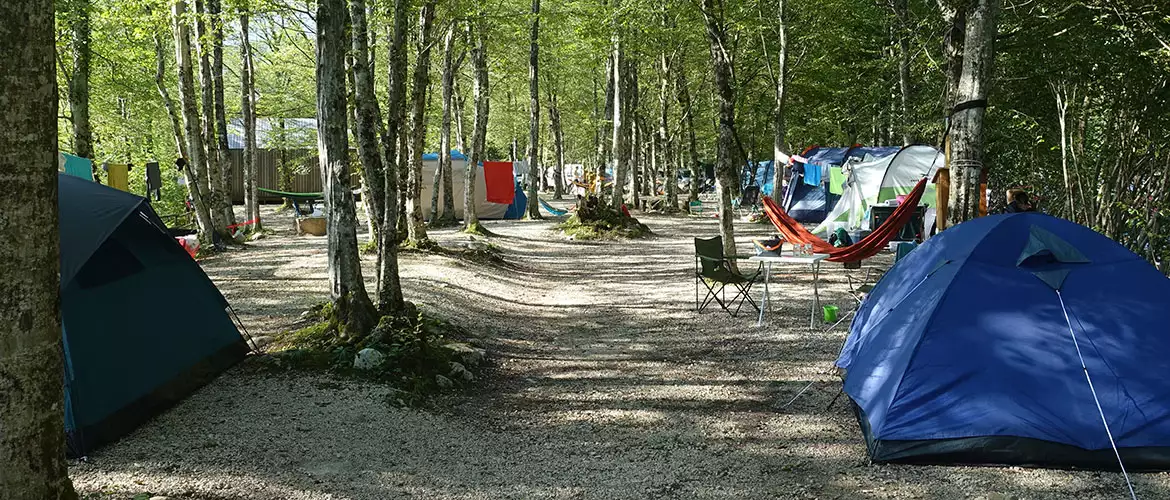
{"type": "Point", "coordinates": [867, 247]}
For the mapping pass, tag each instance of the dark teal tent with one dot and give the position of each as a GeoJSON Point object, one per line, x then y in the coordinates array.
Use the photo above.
{"type": "Point", "coordinates": [143, 327]}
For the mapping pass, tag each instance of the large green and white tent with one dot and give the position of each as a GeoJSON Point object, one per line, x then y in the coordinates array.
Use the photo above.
{"type": "Point", "coordinates": [870, 182]}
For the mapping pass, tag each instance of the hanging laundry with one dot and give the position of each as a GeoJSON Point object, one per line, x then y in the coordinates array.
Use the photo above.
{"type": "Point", "coordinates": [76, 166]}
{"type": "Point", "coordinates": [812, 174]}
{"type": "Point", "coordinates": [117, 175]}
{"type": "Point", "coordinates": [836, 180]}
{"type": "Point", "coordinates": [153, 180]}
{"type": "Point", "coordinates": [499, 182]}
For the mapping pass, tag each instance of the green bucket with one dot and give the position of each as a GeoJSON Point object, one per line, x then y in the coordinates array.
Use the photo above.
{"type": "Point", "coordinates": [831, 314]}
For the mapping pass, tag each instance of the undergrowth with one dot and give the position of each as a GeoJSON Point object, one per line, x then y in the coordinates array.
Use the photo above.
{"type": "Point", "coordinates": [607, 225]}
{"type": "Point", "coordinates": [596, 220]}
{"type": "Point", "coordinates": [422, 354]}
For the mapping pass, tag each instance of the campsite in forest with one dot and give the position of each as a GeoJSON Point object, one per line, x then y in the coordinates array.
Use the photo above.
{"type": "Point", "coordinates": [584, 249]}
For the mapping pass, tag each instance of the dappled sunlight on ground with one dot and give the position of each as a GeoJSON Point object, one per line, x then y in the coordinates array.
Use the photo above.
{"type": "Point", "coordinates": [604, 384]}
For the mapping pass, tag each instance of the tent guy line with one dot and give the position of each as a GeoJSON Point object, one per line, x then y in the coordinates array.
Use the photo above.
{"type": "Point", "coordinates": [1097, 400]}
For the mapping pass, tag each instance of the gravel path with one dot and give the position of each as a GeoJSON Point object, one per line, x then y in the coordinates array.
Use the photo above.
{"type": "Point", "coordinates": [605, 385]}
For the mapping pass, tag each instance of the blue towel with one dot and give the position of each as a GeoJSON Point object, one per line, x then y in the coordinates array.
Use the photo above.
{"type": "Point", "coordinates": [78, 166]}
{"type": "Point", "coordinates": [812, 174]}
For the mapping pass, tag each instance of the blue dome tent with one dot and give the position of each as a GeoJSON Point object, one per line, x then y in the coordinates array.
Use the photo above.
{"type": "Point", "coordinates": [976, 349]}
{"type": "Point", "coordinates": [143, 325]}
{"type": "Point", "coordinates": [811, 195]}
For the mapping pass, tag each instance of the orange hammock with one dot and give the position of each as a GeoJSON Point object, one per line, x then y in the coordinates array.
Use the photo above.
{"type": "Point", "coordinates": [867, 247]}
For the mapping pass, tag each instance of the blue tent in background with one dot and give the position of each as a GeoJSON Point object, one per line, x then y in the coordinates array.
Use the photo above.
{"type": "Point", "coordinates": [811, 194]}
{"type": "Point", "coordinates": [759, 173]}
{"type": "Point", "coordinates": [811, 202]}
{"type": "Point", "coordinates": [519, 204]}
{"type": "Point", "coordinates": [963, 353]}
{"type": "Point", "coordinates": [143, 326]}
{"type": "Point", "coordinates": [455, 155]}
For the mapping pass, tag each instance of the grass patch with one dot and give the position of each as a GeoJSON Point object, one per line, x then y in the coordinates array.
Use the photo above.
{"type": "Point", "coordinates": [478, 229]}
{"type": "Point", "coordinates": [423, 245]}
{"type": "Point", "coordinates": [370, 247]}
{"type": "Point", "coordinates": [421, 355]}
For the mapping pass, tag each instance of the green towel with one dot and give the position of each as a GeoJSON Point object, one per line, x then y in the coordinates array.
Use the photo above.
{"type": "Point", "coordinates": [836, 180]}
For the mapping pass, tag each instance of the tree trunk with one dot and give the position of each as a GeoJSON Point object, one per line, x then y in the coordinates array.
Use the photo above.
{"type": "Point", "coordinates": [654, 159]}
{"type": "Point", "coordinates": [367, 117]}
{"type": "Point", "coordinates": [352, 307]}
{"type": "Point", "coordinates": [635, 140]}
{"type": "Point", "coordinates": [902, 12]}
{"type": "Point", "coordinates": [688, 126]}
{"type": "Point", "coordinates": [404, 169]}
{"type": "Point", "coordinates": [669, 174]}
{"type": "Point", "coordinates": [967, 125]}
{"type": "Point", "coordinates": [32, 444]}
{"type": "Point", "coordinates": [725, 173]}
{"type": "Point", "coordinates": [248, 110]}
{"type": "Point", "coordinates": [621, 136]}
{"type": "Point", "coordinates": [558, 135]}
{"type": "Point", "coordinates": [212, 175]}
{"type": "Point", "coordinates": [460, 126]}
{"type": "Point", "coordinates": [534, 113]}
{"type": "Point", "coordinates": [479, 128]}
{"type": "Point", "coordinates": [436, 187]}
{"type": "Point", "coordinates": [779, 128]}
{"type": "Point", "coordinates": [221, 134]}
{"type": "Point", "coordinates": [196, 162]}
{"type": "Point", "coordinates": [606, 130]}
{"type": "Point", "coordinates": [160, 70]}
{"type": "Point", "coordinates": [79, 81]}
{"type": "Point", "coordinates": [389, 283]}
{"type": "Point", "coordinates": [451, 66]}
{"type": "Point", "coordinates": [1060, 92]}
{"type": "Point", "coordinates": [416, 230]}
{"type": "Point", "coordinates": [955, 19]}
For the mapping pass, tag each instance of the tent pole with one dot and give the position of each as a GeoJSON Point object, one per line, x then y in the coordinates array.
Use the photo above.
{"type": "Point", "coordinates": [1088, 379]}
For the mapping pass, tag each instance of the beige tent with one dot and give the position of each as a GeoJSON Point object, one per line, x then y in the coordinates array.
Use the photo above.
{"type": "Point", "coordinates": [484, 209]}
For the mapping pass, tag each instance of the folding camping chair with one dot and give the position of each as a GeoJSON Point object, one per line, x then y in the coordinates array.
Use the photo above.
{"type": "Point", "coordinates": [715, 271]}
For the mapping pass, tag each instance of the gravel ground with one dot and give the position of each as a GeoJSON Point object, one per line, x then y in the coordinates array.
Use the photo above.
{"type": "Point", "coordinates": [605, 385]}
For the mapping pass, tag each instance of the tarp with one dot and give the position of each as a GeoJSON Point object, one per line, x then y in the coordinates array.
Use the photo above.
{"type": "Point", "coordinates": [962, 353]}
{"type": "Point", "coordinates": [142, 325]}
{"type": "Point", "coordinates": [760, 173]}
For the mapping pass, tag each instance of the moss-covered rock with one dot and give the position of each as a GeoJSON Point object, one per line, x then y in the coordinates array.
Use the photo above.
{"type": "Point", "coordinates": [417, 351]}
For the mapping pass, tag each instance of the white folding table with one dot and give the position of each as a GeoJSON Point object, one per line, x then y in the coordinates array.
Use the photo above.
{"type": "Point", "coordinates": [813, 260]}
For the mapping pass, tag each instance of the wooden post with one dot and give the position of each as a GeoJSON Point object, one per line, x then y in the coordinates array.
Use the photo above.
{"type": "Point", "coordinates": [942, 187]}
{"type": "Point", "coordinates": [983, 192]}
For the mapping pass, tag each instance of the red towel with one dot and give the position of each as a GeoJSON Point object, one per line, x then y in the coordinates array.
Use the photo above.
{"type": "Point", "coordinates": [501, 186]}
